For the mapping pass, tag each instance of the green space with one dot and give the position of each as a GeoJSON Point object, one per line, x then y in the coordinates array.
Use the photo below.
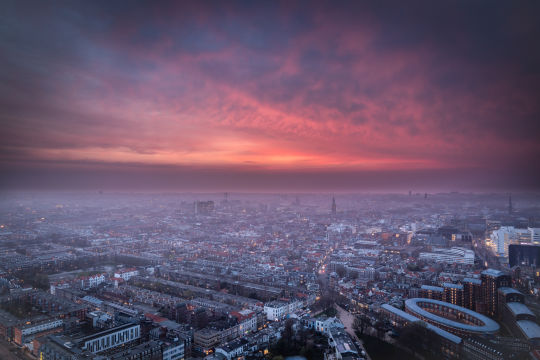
{"type": "Point", "coordinates": [381, 350]}
{"type": "Point", "coordinates": [330, 312]}
{"type": "Point", "coordinates": [305, 343]}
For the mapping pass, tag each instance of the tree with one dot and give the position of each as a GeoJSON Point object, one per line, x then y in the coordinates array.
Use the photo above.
{"type": "Point", "coordinates": [360, 324]}
{"type": "Point", "coordinates": [288, 333]}
{"type": "Point", "coordinates": [181, 313]}
{"type": "Point", "coordinates": [341, 270]}
{"type": "Point", "coordinates": [326, 300]}
{"type": "Point", "coordinates": [418, 338]}
{"type": "Point", "coordinates": [379, 326]}
{"type": "Point", "coordinates": [201, 319]}
{"type": "Point", "coordinates": [303, 335]}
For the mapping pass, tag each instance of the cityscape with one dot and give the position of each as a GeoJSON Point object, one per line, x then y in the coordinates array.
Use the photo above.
{"type": "Point", "coordinates": [215, 276]}
{"type": "Point", "coordinates": [267, 180]}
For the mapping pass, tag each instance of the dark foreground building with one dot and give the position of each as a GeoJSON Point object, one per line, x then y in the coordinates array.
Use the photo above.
{"type": "Point", "coordinates": [524, 255]}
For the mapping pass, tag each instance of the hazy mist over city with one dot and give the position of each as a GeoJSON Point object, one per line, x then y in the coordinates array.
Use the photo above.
{"type": "Point", "coordinates": [267, 180]}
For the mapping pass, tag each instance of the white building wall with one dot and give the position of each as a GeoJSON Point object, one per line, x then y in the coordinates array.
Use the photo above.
{"type": "Point", "coordinates": [275, 312]}
{"type": "Point", "coordinates": [41, 327]}
{"type": "Point", "coordinates": [535, 235]}
{"type": "Point", "coordinates": [174, 352]}
{"type": "Point", "coordinates": [507, 235]}
{"type": "Point", "coordinates": [114, 339]}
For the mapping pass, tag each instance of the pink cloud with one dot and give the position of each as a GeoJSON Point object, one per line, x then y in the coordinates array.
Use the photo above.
{"type": "Point", "coordinates": [202, 92]}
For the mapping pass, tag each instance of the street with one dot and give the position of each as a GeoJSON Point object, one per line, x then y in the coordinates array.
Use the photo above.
{"type": "Point", "coordinates": [348, 320]}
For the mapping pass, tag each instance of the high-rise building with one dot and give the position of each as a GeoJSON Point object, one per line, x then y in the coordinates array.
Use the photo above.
{"type": "Point", "coordinates": [204, 207]}
{"type": "Point", "coordinates": [492, 280]}
{"type": "Point", "coordinates": [506, 235]}
{"type": "Point", "coordinates": [535, 235]}
{"type": "Point", "coordinates": [524, 255]}
{"type": "Point", "coordinates": [508, 296]}
{"type": "Point", "coordinates": [472, 291]}
{"type": "Point", "coordinates": [510, 204]}
{"type": "Point", "coordinates": [334, 207]}
{"type": "Point", "coordinates": [431, 292]}
{"type": "Point", "coordinates": [453, 294]}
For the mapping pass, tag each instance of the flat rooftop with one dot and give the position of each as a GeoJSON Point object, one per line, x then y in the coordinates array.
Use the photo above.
{"type": "Point", "coordinates": [493, 272]}
{"type": "Point", "coordinates": [432, 288]}
{"type": "Point", "coordinates": [107, 332]}
{"type": "Point", "coordinates": [529, 328]}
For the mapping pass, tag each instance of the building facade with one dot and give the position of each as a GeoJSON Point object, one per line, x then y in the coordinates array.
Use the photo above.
{"type": "Point", "coordinates": [111, 338]}
{"type": "Point", "coordinates": [492, 280]}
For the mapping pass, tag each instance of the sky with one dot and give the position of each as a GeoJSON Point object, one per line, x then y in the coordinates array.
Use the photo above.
{"type": "Point", "coordinates": [268, 95]}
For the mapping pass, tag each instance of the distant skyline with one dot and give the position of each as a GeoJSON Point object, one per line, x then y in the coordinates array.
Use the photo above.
{"type": "Point", "coordinates": [270, 96]}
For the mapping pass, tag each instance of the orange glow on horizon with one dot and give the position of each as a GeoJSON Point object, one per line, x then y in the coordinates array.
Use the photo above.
{"type": "Point", "coordinates": [228, 156]}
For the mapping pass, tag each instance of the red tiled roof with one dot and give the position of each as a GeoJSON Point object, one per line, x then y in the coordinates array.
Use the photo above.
{"type": "Point", "coordinates": [154, 318]}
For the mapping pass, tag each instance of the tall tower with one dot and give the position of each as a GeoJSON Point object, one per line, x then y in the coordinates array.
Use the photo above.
{"type": "Point", "coordinates": [334, 207]}
{"type": "Point", "coordinates": [510, 204]}
{"type": "Point", "coordinates": [492, 280]}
